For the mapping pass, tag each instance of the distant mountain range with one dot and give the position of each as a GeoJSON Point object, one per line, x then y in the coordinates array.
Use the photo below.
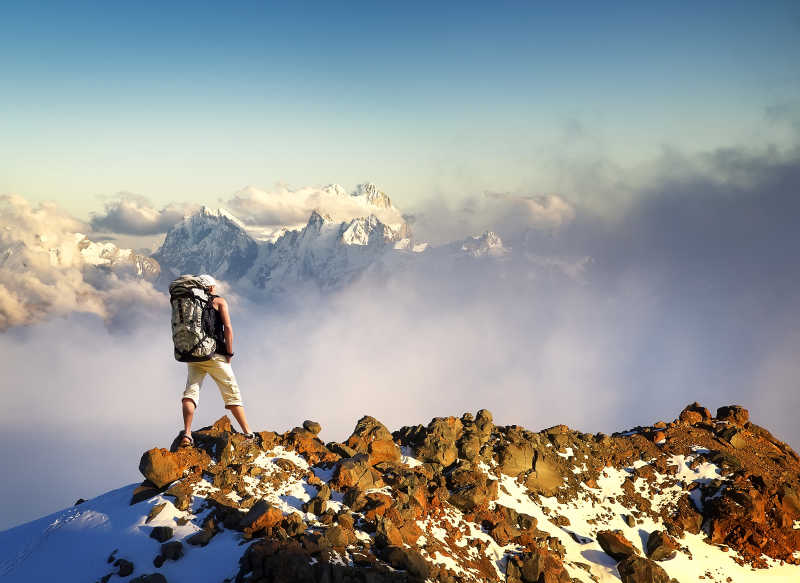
{"type": "Point", "coordinates": [324, 252]}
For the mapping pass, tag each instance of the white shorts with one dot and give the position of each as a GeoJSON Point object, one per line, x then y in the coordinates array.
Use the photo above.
{"type": "Point", "coordinates": [221, 372]}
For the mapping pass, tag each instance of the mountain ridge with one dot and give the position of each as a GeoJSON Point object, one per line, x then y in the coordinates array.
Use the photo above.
{"type": "Point", "coordinates": [457, 500]}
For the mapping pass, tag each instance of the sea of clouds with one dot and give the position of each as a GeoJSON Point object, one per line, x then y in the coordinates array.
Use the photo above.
{"type": "Point", "coordinates": [688, 293]}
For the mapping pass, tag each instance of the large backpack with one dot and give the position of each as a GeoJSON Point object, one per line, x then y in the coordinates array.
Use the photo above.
{"type": "Point", "coordinates": [192, 320]}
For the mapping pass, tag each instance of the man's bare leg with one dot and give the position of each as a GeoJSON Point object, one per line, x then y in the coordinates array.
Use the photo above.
{"type": "Point", "coordinates": [238, 413]}
{"type": "Point", "coordinates": [188, 407]}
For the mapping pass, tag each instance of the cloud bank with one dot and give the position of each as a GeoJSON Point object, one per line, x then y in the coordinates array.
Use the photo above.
{"type": "Point", "coordinates": [48, 268]}
{"type": "Point", "coordinates": [690, 295]}
{"type": "Point", "coordinates": [283, 205]}
{"type": "Point", "coordinates": [133, 214]}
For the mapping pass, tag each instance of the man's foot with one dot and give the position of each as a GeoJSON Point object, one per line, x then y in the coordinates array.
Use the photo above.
{"type": "Point", "coordinates": [186, 440]}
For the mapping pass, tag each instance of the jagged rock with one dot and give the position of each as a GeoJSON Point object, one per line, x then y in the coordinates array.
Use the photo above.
{"type": "Point", "coordinates": [144, 491]}
{"type": "Point", "coordinates": [312, 426]}
{"type": "Point", "coordinates": [469, 446]}
{"type": "Point", "coordinates": [635, 569]}
{"type": "Point", "coordinates": [694, 414]}
{"type": "Point", "coordinates": [155, 511]}
{"type": "Point", "coordinates": [172, 550]}
{"type": "Point", "coordinates": [408, 559]}
{"type": "Point", "coordinates": [686, 516]}
{"type": "Point", "coordinates": [371, 437]}
{"type": "Point", "coordinates": [545, 477]}
{"type": "Point", "coordinates": [261, 516]}
{"type": "Point", "coordinates": [387, 534]}
{"type": "Point", "coordinates": [201, 538]}
{"type": "Point", "coordinates": [516, 458]}
{"type": "Point", "coordinates": [439, 443]}
{"type": "Point", "coordinates": [161, 466]}
{"type": "Point", "coordinates": [124, 567]}
{"type": "Point", "coordinates": [341, 449]}
{"type": "Point", "coordinates": [470, 488]}
{"type": "Point", "coordinates": [789, 498]}
{"type": "Point", "coordinates": [660, 546]}
{"type": "Point", "coordinates": [355, 472]}
{"type": "Point", "coordinates": [338, 536]}
{"type": "Point", "coordinates": [183, 494]}
{"type": "Point", "coordinates": [734, 414]}
{"type": "Point", "coordinates": [307, 444]}
{"type": "Point", "coordinates": [540, 566]}
{"type": "Point", "coordinates": [483, 421]}
{"type": "Point", "coordinates": [615, 544]}
{"type": "Point", "coordinates": [161, 533]}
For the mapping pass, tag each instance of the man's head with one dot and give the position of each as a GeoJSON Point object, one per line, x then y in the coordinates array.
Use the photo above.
{"type": "Point", "coordinates": [207, 281]}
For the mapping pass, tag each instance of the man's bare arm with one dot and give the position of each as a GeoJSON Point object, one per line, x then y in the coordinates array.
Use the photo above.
{"type": "Point", "coordinates": [226, 321]}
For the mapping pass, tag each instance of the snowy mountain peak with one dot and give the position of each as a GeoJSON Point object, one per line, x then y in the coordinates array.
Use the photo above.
{"type": "Point", "coordinates": [364, 230]}
{"type": "Point", "coordinates": [372, 195]}
{"type": "Point", "coordinates": [317, 219]}
{"type": "Point", "coordinates": [487, 244]}
{"type": "Point", "coordinates": [217, 213]}
{"type": "Point", "coordinates": [334, 189]}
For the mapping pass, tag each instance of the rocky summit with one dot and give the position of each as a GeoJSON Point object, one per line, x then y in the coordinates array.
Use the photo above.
{"type": "Point", "coordinates": [702, 497]}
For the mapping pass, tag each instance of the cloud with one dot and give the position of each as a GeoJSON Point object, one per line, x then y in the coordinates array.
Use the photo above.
{"type": "Point", "coordinates": [439, 220]}
{"type": "Point", "coordinates": [133, 214]}
{"type": "Point", "coordinates": [49, 268]}
{"type": "Point", "coordinates": [283, 206]}
{"type": "Point", "coordinates": [690, 295]}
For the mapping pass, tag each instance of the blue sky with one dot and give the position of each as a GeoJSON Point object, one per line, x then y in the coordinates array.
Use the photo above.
{"type": "Point", "coordinates": [188, 101]}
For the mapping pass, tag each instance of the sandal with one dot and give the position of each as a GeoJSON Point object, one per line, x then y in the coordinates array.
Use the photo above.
{"type": "Point", "coordinates": [182, 440]}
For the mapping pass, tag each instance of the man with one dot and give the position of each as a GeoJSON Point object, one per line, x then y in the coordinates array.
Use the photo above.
{"type": "Point", "coordinates": [218, 367]}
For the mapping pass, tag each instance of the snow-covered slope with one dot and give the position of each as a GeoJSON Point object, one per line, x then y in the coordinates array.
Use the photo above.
{"type": "Point", "coordinates": [461, 500]}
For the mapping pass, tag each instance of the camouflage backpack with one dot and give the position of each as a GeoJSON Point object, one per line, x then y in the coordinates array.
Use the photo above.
{"type": "Point", "coordinates": [192, 320]}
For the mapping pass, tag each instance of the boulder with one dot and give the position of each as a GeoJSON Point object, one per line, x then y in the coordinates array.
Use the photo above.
{"type": "Point", "coordinates": [660, 546]}
{"type": "Point", "coordinates": [387, 534]}
{"type": "Point", "coordinates": [355, 472]}
{"type": "Point", "coordinates": [408, 559]}
{"type": "Point", "coordinates": [734, 414]}
{"type": "Point", "coordinates": [541, 566]}
{"type": "Point", "coordinates": [470, 488]}
{"type": "Point", "coordinates": [483, 422]}
{"type": "Point", "coordinates": [339, 537]}
{"type": "Point", "coordinates": [172, 550]}
{"type": "Point", "coordinates": [307, 444]}
{"type": "Point", "coordinates": [341, 449]}
{"type": "Point", "coordinates": [635, 569]}
{"type": "Point", "coordinates": [469, 446]}
{"type": "Point", "coordinates": [161, 466]}
{"type": "Point", "coordinates": [614, 543]}
{"type": "Point", "coordinates": [439, 443]}
{"type": "Point", "coordinates": [124, 567]}
{"type": "Point", "coordinates": [161, 533]}
{"type": "Point", "coordinates": [516, 458]}
{"type": "Point", "coordinates": [261, 516]}
{"type": "Point", "coordinates": [201, 538]}
{"type": "Point", "coordinates": [312, 426]}
{"type": "Point", "coordinates": [686, 516]}
{"type": "Point", "coordinates": [545, 478]}
{"type": "Point", "coordinates": [693, 414]}
{"type": "Point", "coordinates": [370, 436]}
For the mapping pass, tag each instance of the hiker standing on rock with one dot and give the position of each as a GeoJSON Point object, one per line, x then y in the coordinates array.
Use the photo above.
{"type": "Point", "coordinates": [203, 337]}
